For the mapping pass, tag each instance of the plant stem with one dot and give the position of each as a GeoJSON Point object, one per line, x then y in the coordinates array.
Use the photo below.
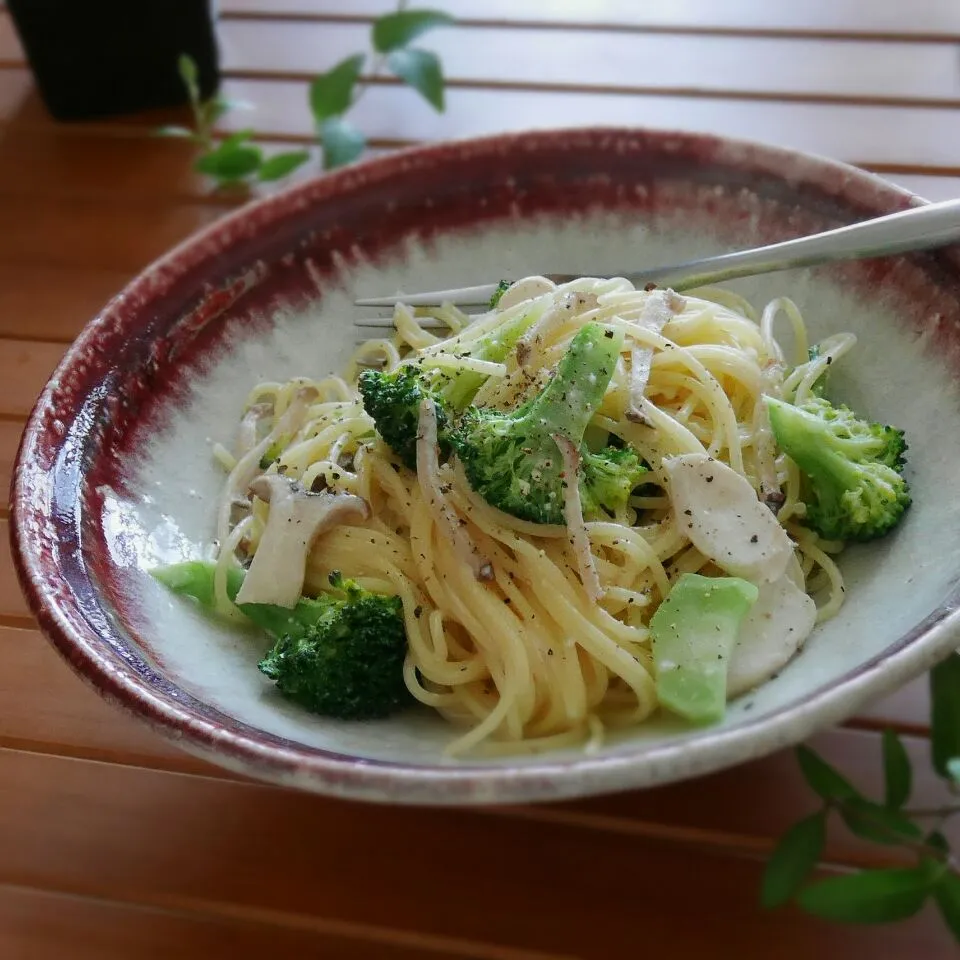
{"type": "Point", "coordinates": [944, 813]}
{"type": "Point", "coordinates": [378, 63]}
{"type": "Point", "coordinates": [919, 847]}
{"type": "Point", "coordinates": [365, 86]}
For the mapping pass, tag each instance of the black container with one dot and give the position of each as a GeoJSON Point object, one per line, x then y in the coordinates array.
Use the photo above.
{"type": "Point", "coordinates": [93, 58]}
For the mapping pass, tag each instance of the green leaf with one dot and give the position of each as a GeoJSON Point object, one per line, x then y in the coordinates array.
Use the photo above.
{"type": "Point", "coordinates": [187, 67]}
{"type": "Point", "coordinates": [898, 776]}
{"type": "Point", "coordinates": [230, 161]}
{"type": "Point", "coordinates": [421, 70]}
{"type": "Point", "coordinates": [395, 30]}
{"type": "Point", "coordinates": [281, 164]}
{"type": "Point", "coordinates": [795, 856]}
{"type": "Point", "coordinates": [332, 92]}
{"type": "Point", "coordinates": [175, 132]}
{"type": "Point", "coordinates": [871, 896]}
{"type": "Point", "coordinates": [953, 769]}
{"type": "Point", "coordinates": [947, 895]}
{"type": "Point", "coordinates": [871, 821]}
{"type": "Point", "coordinates": [822, 778]}
{"type": "Point", "coordinates": [342, 142]}
{"type": "Point", "coordinates": [945, 713]}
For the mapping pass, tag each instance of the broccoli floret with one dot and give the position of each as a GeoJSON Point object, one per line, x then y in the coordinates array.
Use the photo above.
{"type": "Point", "coordinates": [340, 655]}
{"type": "Point", "coordinates": [852, 467]}
{"type": "Point", "coordinates": [502, 287]}
{"type": "Point", "coordinates": [608, 478]}
{"type": "Point", "coordinates": [345, 658]}
{"type": "Point", "coordinates": [512, 460]}
{"type": "Point", "coordinates": [393, 399]}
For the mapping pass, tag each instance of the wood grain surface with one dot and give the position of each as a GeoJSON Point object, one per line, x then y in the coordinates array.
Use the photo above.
{"type": "Point", "coordinates": [116, 844]}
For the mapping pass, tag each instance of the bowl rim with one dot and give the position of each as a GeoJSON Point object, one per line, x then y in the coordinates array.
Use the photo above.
{"type": "Point", "coordinates": [442, 784]}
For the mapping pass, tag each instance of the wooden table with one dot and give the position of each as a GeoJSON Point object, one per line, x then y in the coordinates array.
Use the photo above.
{"type": "Point", "coordinates": [113, 844]}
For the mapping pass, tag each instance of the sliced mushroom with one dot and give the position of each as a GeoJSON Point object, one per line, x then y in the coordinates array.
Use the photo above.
{"type": "Point", "coordinates": [445, 517]}
{"type": "Point", "coordinates": [248, 466]}
{"type": "Point", "coordinates": [659, 309]}
{"type": "Point", "coordinates": [296, 519]}
{"type": "Point", "coordinates": [773, 631]}
{"type": "Point", "coordinates": [247, 431]}
{"type": "Point", "coordinates": [719, 512]}
{"type": "Point", "coordinates": [573, 515]}
{"type": "Point", "coordinates": [565, 306]}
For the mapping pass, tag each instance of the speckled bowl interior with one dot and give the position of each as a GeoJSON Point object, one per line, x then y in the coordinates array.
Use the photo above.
{"type": "Point", "coordinates": [115, 472]}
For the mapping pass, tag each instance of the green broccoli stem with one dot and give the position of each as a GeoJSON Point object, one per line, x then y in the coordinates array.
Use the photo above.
{"type": "Point", "coordinates": [195, 578]}
{"type": "Point", "coordinates": [493, 347]}
{"type": "Point", "coordinates": [568, 403]}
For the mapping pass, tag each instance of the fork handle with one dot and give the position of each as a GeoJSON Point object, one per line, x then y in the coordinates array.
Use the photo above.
{"type": "Point", "coordinates": [919, 228]}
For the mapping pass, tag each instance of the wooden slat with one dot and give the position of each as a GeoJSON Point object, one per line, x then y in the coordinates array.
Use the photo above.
{"type": "Point", "coordinates": [35, 925]}
{"type": "Point", "coordinates": [10, 432]}
{"type": "Point", "coordinates": [98, 829]}
{"type": "Point", "coordinates": [13, 606]}
{"type": "Point", "coordinates": [576, 59]}
{"type": "Point", "coordinates": [72, 163]}
{"type": "Point", "coordinates": [118, 235]}
{"type": "Point", "coordinates": [47, 707]}
{"type": "Point", "coordinates": [53, 302]}
{"type": "Point", "coordinates": [908, 707]}
{"type": "Point", "coordinates": [930, 18]}
{"type": "Point", "coordinates": [27, 366]}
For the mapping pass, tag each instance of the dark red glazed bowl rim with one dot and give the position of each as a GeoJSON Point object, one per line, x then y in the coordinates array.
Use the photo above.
{"type": "Point", "coordinates": [244, 749]}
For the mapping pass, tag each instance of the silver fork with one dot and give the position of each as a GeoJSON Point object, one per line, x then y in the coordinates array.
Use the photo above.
{"type": "Point", "coordinates": [920, 228]}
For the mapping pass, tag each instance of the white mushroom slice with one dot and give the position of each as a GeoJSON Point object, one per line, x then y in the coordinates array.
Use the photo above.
{"type": "Point", "coordinates": [247, 431]}
{"type": "Point", "coordinates": [566, 306]}
{"type": "Point", "coordinates": [296, 519]}
{"type": "Point", "coordinates": [248, 465]}
{"type": "Point", "coordinates": [773, 631]}
{"type": "Point", "coordinates": [445, 517]}
{"type": "Point", "coordinates": [659, 309]}
{"type": "Point", "coordinates": [573, 515]}
{"type": "Point", "coordinates": [719, 512]}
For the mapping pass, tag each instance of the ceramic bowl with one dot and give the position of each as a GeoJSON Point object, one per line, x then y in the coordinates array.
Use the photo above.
{"type": "Point", "coordinates": [115, 472]}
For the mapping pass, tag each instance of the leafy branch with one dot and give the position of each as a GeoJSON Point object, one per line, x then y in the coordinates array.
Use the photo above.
{"type": "Point", "coordinates": [879, 895]}
{"type": "Point", "coordinates": [332, 95]}
{"type": "Point", "coordinates": [234, 159]}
